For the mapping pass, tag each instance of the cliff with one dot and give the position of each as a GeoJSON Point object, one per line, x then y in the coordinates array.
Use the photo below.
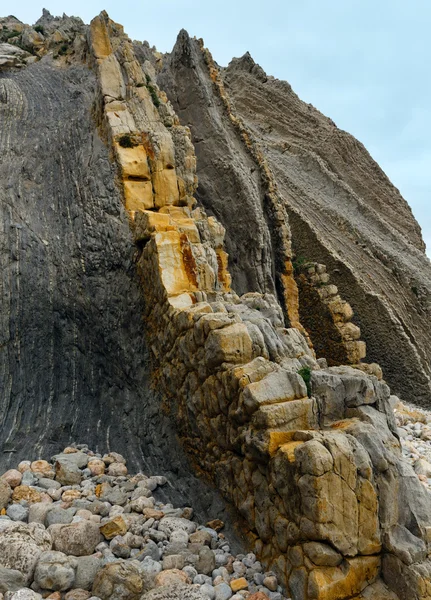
{"type": "Point", "coordinates": [127, 321]}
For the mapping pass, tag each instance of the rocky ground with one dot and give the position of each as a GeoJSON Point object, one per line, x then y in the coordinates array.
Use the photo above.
{"type": "Point", "coordinates": [81, 527]}
{"type": "Point", "coordinates": [414, 429]}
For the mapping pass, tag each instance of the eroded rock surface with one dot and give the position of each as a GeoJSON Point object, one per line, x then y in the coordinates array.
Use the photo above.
{"type": "Point", "coordinates": [343, 211]}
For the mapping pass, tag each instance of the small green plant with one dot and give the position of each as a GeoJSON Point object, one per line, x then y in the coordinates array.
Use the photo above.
{"type": "Point", "coordinates": [298, 262]}
{"type": "Point", "coordinates": [6, 35]}
{"type": "Point", "coordinates": [154, 96]}
{"type": "Point", "coordinates": [148, 78]}
{"type": "Point", "coordinates": [63, 49]}
{"type": "Point", "coordinates": [40, 29]}
{"type": "Point", "coordinates": [140, 84]}
{"type": "Point", "coordinates": [305, 373]}
{"type": "Point", "coordinates": [126, 141]}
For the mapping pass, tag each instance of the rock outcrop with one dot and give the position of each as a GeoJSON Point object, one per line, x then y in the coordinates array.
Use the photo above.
{"type": "Point", "coordinates": [316, 472]}
{"type": "Point", "coordinates": [143, 327]}
{"type": "Point", "coordinates": [343, 211]}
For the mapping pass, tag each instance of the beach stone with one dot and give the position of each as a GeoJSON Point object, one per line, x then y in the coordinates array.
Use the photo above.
{"type": "Point", "coordinates": [85, 572]}
{"type": "Point", "coordinates": [119, 547]}
{"type": "Point", "coordinates": [171, 577]}
{"type": "Point", "coordinates": [43, 468]}
{"type": "Point", "coordinates": [24, 492]}
{"type": "Point", "coordinates": [223, 591]}
{"type": "Point", "coordinates": [17, 512]}
{"type": "Point", "coordinates": [67, 471]}
{"type": "Point", "coordinates": [5, 493]}
{"type": "Point", "coordinates": [170, 524]}
{"type": "Point", "coordinates": [54, 572]}
{"type": "Point", "coordinates": [58, 515]}
{"type": "Point", "coordinates": [48, 484]}
{"type": "Point", "coordinates": [77, 594]}
{"type": "Point", "coordinates": [96, 466]}
{"type": "Point", "coordinates": [113, 495]}
{"type": "Point", "coordinates": [38, 511]}
{"type": "Point", "coordinates": [23, 594]}
{"type": "Point", "coordinates": [13, 477]}
{"type": "Point", "coordinates": [21, 545]}
{"type": "Point", "coordinates": [24, 465]}
{"type": "Point", "coordinates": [117, 469]}
{"type": "Point", "coordinates": [175, 592]}
{"type": "Point", "coordinates": [11, 580]}
{"type": "Point", "coordinates": [70, 495]}
{"type": "Point", "coordinates": [118, 581]}
{"type": "Point", "coordinates": [80, 459]}
{"type": "Point", "coordinates": [76, 539]}
{"type": "Point", "coordinates": [206, 562]}
{"type": "Point", "coordinates": [114, 527]}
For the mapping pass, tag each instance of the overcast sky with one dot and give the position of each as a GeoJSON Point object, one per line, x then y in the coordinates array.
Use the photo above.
{"type": "Point", "coordinates": [364, 63]}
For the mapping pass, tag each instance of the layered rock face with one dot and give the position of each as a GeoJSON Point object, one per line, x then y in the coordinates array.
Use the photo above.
{"type": "Point", "coordinates": [316, 473]}
{"type": "Point", "coordinates": [74, 360]}
{"type": "Point", "coordinates": [308, 455]}
{"type": "Point", "coordinates": [343, 211]}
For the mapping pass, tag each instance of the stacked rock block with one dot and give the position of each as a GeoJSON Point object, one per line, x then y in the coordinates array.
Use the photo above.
{"type": "Point", "coordinates": [327, 317]}
{"type": "Point", "coordinates": [316, 471]}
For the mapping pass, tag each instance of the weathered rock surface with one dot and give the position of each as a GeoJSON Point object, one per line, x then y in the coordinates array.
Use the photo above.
{"type": "Point", "coordinates": [309, 455]}
{"type": "Point", "coordinates": [369, 239]}
{"type": "Point", "coordinates": [68, 278]}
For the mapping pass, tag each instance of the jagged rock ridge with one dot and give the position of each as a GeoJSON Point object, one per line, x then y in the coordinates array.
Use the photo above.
{"type": "Point", "coordinates": [343, 211]}
{"type": "Point", "coordinates": [303, 465]}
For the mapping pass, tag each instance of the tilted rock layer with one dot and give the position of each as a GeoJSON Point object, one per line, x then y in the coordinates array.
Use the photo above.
{"type": "Point", "coordinates": [307, 454]}
{"type": "Point", "coordinates": [343, 211]}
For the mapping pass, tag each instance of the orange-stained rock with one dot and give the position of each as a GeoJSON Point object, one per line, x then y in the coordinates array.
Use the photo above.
{"type": "Point", "coordinates": [70, 495]}
{"type": "Point", "coordinates": [138, 195]}
{"type": "Point", "coordinates": [215, 524]}
{"type": "Point", "coordinates": [99, 38]}
{"type": "Point", "coordinates": [333, 583]}
{"type": "Point", "coordinates": [42, 467]}
{"type": "Point", "coordinates": [24, 492]}
{"type": "Point", "coordinates": [13, 477]}
{"type": "Point", "coordinates": [70, 450]}
{"type": "Point", "coordinates": [258, 596]}
{"type": "Point", "coordinates": [239, 584]}
{"type": "Point", "coordinates": [152, 513]}
{"type": "Point", "coordinates": [171, 577]}
{"type": "Point", "coordinates": [96, 466]}
{"type": "Point", "coordinates": [115, 526]}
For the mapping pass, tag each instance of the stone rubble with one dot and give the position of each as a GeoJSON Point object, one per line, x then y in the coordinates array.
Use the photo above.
{"type": "Point", "coordinates": [414, 429]}
{"type": "Point", "coordinates": [82, 528]}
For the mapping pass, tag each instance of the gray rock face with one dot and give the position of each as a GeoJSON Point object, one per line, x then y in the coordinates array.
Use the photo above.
{"type": "Point", "coordinates": [230, 185]}
{"type": "Point", "coordinates": [323, 176]}
{"type": "Point", "coordinates": [68, 278]}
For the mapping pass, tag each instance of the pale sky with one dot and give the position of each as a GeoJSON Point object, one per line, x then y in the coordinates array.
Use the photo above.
{"type": "Point", "coordinates": [364, 63]}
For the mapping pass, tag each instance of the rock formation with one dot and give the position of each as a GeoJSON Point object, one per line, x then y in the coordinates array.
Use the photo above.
{"type": "Point", "coordinates": [343, 211]}
{"type": "Point", "coordinates": [307, 454]}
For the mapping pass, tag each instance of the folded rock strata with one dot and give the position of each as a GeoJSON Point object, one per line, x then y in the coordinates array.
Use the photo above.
{"type": "Point", "coordinates": [342, 209]}
{"type": "Point", "coordinates": [316, 474]}
{"type": "Point", "coordinates": [307, 453]}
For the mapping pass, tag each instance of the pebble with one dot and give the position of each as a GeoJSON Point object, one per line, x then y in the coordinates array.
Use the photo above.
{"type": "Point", "coordinates": [109, 532]}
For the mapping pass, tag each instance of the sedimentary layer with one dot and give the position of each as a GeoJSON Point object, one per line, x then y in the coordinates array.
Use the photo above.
{"type": "Point", "coordinates": [343, 211]}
